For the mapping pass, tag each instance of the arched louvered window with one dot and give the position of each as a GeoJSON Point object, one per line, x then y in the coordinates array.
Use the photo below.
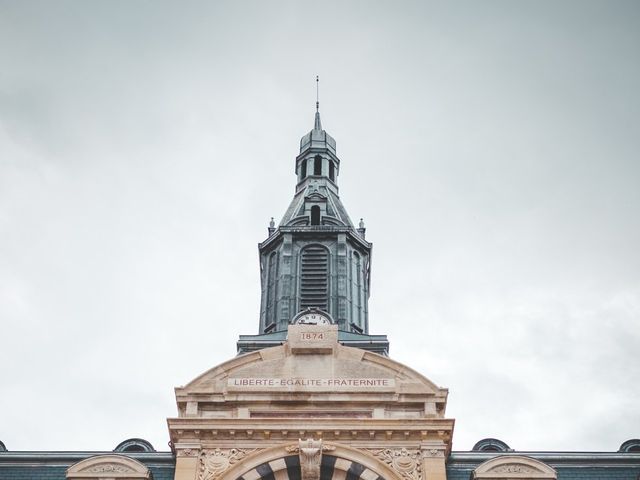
{"type": "Point", "coordinates": [315, 215]}
{"type": "Point", "coordinates": [332, 171]}
{"type": "Point", "coordinates": [317, 165]}
{"type": "Point", "coordinates": [303, 169]}
{"type": "Point", "coordinates": [314, 277]}
{"type": "Point", "coordinates": [272, 272]}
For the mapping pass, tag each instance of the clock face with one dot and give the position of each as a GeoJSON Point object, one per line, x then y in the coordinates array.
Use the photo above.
{"type": "Point", "coordinates": [312, 317]}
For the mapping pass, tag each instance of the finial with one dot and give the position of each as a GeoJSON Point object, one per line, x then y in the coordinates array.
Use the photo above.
{"type": "Point", "coordinates": [317, 124]}
{"type": "Point", "coordinates": [361, 229]}
{"type": "Point", "coordinates": [272, 223]}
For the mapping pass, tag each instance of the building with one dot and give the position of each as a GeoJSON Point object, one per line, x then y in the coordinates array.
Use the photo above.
{"type": "Point", "coordinates": [314, 395]}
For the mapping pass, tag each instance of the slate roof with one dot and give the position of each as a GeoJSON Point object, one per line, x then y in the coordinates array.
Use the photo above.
{"type": "Point", "coordinates": [26, 465]}
{"type": "Point", "coordinates": [568, 465]}
{"type": "Point", "coordinates": [460, 465]}
{"type": "Point", "coordinates": [335, 207]}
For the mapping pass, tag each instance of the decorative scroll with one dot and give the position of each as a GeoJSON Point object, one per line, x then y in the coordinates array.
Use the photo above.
{"type": "Point", "coordinates": [406, 462]}
{"type": "Point", "coordinates": [310, 452]}
{"type": "Point", "coordinates": [110, 468]}
{"type": "Point", "coordinates": [214, 463]}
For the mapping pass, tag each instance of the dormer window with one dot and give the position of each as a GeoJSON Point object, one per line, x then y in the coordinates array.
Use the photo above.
{"type": "Point", "coordinates": [317, 165]}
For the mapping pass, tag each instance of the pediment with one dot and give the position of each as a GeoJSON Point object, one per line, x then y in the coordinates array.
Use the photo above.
{"type": "Point", "coordinates": [513, 467]}
{"type": "Point", "coordinates": [108, 466]}
{"type": "Point", "coordinates": [331, 367]}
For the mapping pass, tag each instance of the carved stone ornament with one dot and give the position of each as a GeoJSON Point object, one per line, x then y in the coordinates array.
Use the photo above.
{"type": "Point", "coordinates": [214, 463]}
{"type": "Point", "coordinates": [433, 452]}
{"type": "Point", "coordinates": [514, 468]}
{"type": "Point", "coordinates": [310, 452]}
{"type": "Point", "coordinates": [405, 462]}
{"type": "Point", "coordinates": [188, 452]}
{"type": "Point", "coordinates": [109, 468]}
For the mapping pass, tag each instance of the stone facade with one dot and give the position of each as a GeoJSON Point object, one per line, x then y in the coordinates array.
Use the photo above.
{"type": "Point", "coordinates": [362, 407]}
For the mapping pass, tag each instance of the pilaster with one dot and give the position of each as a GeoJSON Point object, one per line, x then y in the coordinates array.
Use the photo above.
{"type": "Point", "coordinates": [187, 463]}
{"type": "Point", "coordinates": [434, 460]}
{"type": "Point", "coordinates": [342, 265]}
{"type": "Point", "coordinates": [286, 295]}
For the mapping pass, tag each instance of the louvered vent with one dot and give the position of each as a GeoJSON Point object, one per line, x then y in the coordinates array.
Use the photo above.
{"type": "Point", "coordinates": [314, 278]}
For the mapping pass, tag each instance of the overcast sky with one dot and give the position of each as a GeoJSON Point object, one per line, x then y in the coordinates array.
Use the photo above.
{"type": "Point", "coordinates": [491, 147]}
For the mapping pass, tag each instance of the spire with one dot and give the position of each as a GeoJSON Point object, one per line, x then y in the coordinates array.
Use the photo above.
{"type": "Point", "coordinates": [317, 125]}
{"type": "Point", "coordinates": [317, 138]}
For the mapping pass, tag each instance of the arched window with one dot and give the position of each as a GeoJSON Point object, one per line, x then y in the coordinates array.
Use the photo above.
{"type": "Point", "coordinates": [317, 165]}
{"type": "Point", "coordinates": [303, 169]}
{"type": "Point", "coordinates": [134, 445]}
{"type": "Point", "coordinates": [315, 215]}
{"type": "Point", "coordinates": [314, 277]}
{"type": "Point", "coordinates": [332, 171]}
{"type": "Point", "coordinates": [491, 445]}
{"type": "Point", "coordinates": [630, 446]}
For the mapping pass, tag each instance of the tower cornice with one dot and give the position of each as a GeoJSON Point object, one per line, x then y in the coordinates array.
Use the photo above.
{"type": "Point", "coordinates": [312, 150]}
{"type": "Point", "coordinates": [313, 231]}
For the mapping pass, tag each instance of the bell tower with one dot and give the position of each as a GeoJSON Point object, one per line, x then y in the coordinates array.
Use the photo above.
{"type": "Point", "coordinates": [315, 259]}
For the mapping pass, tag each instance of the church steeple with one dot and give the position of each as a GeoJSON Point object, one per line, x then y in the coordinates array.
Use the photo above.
{"type": "Point", "coordinates": [317, 124]}
{"type": "Point", "coordinates": [315, 258]}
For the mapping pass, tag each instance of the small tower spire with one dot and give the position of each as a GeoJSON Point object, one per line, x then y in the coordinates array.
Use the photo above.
{"type": "Point", "coordinates": [317, 125]}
